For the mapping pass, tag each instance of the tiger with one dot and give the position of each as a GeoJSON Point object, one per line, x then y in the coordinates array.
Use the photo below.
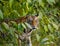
{"type": "Point", "coordinates": [33, 21]}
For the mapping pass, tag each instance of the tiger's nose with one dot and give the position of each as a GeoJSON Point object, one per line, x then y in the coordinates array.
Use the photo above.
{"type": "Point", "coordinates": [33, 27]}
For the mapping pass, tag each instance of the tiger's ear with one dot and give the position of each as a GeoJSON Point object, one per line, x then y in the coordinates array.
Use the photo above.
{"type": "Point", "coordinates": [37, 15]}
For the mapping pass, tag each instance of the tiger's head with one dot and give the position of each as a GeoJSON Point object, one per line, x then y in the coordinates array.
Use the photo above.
{"type": "Point", "coordinates": [33, 21]}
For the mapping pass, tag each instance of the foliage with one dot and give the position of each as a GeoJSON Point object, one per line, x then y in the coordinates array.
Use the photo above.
{"type": "Point", "coordinates": [48, 33]}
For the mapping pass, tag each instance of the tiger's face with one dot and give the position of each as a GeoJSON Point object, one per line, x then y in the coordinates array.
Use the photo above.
{"type": "Point", "coordinates": [33, 21]}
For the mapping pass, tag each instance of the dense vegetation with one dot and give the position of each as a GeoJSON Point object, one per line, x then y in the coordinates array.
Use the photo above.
{"type": "Point", "coordinates": [48, 33]}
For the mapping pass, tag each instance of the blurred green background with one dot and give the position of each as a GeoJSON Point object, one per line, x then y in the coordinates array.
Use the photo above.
{"type": "Point", "coordinates": [48, 33]}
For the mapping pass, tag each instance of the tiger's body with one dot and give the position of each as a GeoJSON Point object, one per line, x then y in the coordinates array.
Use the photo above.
{"type": "Point", "coordinates": [32, 20]}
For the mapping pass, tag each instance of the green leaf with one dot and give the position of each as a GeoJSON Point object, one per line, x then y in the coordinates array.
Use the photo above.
{"type": "Point", "coordinates": [51, 1]}
{"type": "Point", "coordinates": [13, 24]}
{"type": "Point", "coordinates": [5, 26]}
{"type": "Point", "coordinates": [44, 40]}
{"type": "Point", "coordinates": [11, 2]}
{"type": "Point", "coordinates": [28, 25]}
{"type": "Point", "coordinates": [37, 37]}
{"type": "Point", "coordinates": [16, 12]}
{"type": "Point", "coordinates": [1, 15]}
{"type": "Point", "coordinates": [47, 43]}
{"type": "Point", "coordinates": [23, 25]}
{"type": "Point", "coordinates": [11, 30]}
{"type": "Point", "coordinates": [29, 1]}
{"type": "Point", "coordinates": [55, 25]}
{"type": "Point", "coordinates": [49, 27]}
{"type": "Point", "coordinates": [41, 3]}
{"type": "Point", "coordinates": [45, 28]}
{"type": "Point", "coordinates": [20, 27]}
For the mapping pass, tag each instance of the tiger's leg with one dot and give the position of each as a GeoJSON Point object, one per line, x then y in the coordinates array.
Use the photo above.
{"type": "Point", "coordinates": [28, 41]}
